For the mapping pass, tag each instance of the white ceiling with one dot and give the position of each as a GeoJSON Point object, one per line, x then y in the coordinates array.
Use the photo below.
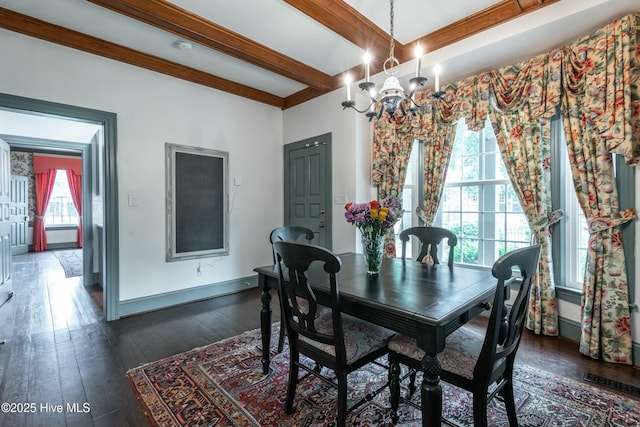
{"type": "Point", "coordinates": [279, 26]}
{"type": "Point", "coordinates": [42, 127]}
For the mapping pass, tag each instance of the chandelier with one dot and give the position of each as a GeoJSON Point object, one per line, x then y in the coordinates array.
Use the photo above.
{"type": "Point", "coordinates": [392, 95]}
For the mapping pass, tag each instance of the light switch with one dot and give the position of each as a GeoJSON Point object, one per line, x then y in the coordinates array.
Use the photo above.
{"type": "Point", "coordinates": [237, 181]}
{"type": "Point", "coordinates": [133, 200]}
{"type": "Point", "coordinates": [340, 199]}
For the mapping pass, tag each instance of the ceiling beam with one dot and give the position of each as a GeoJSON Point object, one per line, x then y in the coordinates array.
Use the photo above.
{"type": "Point", "coordinates": [183, 23]}
{"type": "Point", "coordinates": [349, 24]}
{"type": "Point", "coordinates": [492, 16]}
{"type": "Point", "coordinates": [476, 23]}
{"type": "Point", "coordinates": [43, 30]}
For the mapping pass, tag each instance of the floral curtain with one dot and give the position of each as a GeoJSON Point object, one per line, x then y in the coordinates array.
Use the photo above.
{"type": "Point", "coordinates": [525, 148]}
{"type": "Point", "coordinates": [391, 152]}
{"type": "Point", "coordinates": [438, 134]}
{"type": "Point", "coordinates": [597, 84]}
{"type": "Point", "coordinates": [43, 186]}
{"type": "Point", "coordinates": [601, 112]}
{"type": "Point", "coordinates": [75, 185]}
{"type": "Point", "coordinates": [603, 68]}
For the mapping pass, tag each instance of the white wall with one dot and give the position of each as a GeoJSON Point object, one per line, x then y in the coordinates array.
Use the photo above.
{"type": "Point", "coordinates": [153, 109]}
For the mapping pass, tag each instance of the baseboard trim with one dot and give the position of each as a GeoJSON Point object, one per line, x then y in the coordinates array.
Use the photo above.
{"type": "Point", "coordinates": [571, 329]}
{"type": "Point", "coordinates": [169, 299]}
{"type": "Point", "coordinates": [60, 246]}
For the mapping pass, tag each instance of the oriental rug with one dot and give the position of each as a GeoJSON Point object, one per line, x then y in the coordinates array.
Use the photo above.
{"type": "Point", "coordinates": [71, 262]}
{"type": "Point", "coordinates": [222, 385]}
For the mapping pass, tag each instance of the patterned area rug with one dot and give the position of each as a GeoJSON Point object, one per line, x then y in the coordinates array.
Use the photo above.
{"type": "Point", "coordinates": [71, 261]}
{"type": "Point", "coordinates": [222, 385]}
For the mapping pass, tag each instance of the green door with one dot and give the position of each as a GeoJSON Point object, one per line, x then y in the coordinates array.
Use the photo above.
{"type": "Point", "coordinates": [308, 186]}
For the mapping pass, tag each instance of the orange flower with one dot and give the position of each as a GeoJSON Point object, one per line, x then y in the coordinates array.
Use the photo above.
{"type": "Point", "coordinates": [347, 206]}
{"type": "Point", "coordinates": [374, 204]}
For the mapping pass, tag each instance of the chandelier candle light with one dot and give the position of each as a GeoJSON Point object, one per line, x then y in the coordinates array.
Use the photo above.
{"type": "Point", "coordinates": [392, 94]}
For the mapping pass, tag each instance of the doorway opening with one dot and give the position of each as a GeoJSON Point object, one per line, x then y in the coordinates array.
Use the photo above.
{"type": "Point", "coordinates": [99, 180]}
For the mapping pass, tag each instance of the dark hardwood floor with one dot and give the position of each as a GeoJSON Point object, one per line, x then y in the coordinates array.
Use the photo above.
{"type": "Point", "coordinates": [60, 351]}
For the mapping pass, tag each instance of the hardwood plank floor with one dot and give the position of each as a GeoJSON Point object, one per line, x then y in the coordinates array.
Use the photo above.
{"type": "Point", "coordinates": [59, 350]}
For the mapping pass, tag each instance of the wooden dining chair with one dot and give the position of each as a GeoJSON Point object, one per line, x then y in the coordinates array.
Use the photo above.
{"type": "Point", "coordinates": [330, 338]}
{"type": "Point", "coordinates": [288, 234]}
{"type": "Point", "coordinates": [430, 238]}
{"type": "Point", "coordinates": [480, 364]}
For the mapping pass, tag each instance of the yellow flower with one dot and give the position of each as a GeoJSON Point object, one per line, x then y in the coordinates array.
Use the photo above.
{"type": "Point", "coordinates": [373, 213]}
{"type": "Point", "coordinates": [383, 213]}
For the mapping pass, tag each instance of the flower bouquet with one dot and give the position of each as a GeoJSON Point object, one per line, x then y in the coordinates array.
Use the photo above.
{"type": "Point", "coordinates": [373, 219]}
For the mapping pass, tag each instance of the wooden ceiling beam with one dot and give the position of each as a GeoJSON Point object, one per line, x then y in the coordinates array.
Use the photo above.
{"type": "Point", "coordinates": [43, 30]}
{"type": "Point", "coordinates": [169, 17]}
{"type": "Point", "coordinates": [478, 22]}
{"type": "Point", "coordinates": [349, 24]}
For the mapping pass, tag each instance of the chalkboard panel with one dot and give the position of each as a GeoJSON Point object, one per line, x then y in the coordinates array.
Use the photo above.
{"type": "Point", "coordinates": [196, 202]}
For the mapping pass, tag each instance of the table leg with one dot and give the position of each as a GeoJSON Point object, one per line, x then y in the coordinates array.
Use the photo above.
{"type": "Point", "coordinates": [265, 328]}
{"type": "Point", "coordinates": [431, 392]}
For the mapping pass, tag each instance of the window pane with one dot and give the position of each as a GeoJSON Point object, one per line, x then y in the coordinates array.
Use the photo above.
{"type": "Point", "coordinates": [61, 210]}
{"type": "Point", "coordinates": [471, 198]}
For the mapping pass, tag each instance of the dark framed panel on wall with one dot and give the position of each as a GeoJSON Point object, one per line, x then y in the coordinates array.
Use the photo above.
{"type": "Point", "coordinates": [197, 218]}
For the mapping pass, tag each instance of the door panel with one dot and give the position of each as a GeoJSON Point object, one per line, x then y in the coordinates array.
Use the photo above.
{"type": "Point", "coordinates": [19, 214]}
{"type": "Point", "coordinates": [5, 225]}
{"type": "Point", "coordinates": [308, 187]}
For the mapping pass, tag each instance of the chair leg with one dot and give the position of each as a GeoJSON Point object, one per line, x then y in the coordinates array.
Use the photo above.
{"type": "Point", "coordinates": [412, 382]}
{"type": "Point", "coordinates": [480, 408]}
{"type": "Point", "coordinates": [281, 337]}
{"type": "Point", "coordinates": [394, 386]}
{"type": "Point", "coordinates": [510, 403]}
{"type": "Point", "coordinates": [341, 420]}
{"type": "Point", "coordinates": [293, 380]}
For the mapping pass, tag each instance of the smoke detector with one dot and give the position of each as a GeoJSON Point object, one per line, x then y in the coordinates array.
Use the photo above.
{"type": "Point", "coordinates": [184, 45]}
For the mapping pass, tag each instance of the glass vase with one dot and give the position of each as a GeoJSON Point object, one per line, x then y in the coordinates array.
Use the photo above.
{"type": "Point", "coordinates": [372, 249]}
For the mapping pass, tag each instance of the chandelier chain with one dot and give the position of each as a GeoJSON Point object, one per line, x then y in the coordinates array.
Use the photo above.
{"type": "Point", "coordinates": [392, 42]}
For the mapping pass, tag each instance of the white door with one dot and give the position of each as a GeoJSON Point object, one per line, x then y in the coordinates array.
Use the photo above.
{"type": "Point", "coordinates": [19, 214]}
{"type": "Point", "coordinates": [5, 224]}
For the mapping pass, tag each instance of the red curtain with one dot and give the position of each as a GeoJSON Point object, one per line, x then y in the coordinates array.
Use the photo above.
{"type": "Point", "coordinates": [43, 187]}
{"type": "Point", "coordinates": [75, 185]}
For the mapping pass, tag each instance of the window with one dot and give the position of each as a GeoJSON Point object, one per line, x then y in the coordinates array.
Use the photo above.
{"type": "Point", "coordinates": [411, 194]}
{"type": "Point", "coordinates": [479, 204]}
{"type": "Point", "coordinates": [573, 226]}
{"type": "Point", "coordinates": [61, 210]}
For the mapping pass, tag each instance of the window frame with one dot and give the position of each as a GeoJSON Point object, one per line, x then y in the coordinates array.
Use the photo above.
{"type": "Point", "coordinates": [60, 174]}
{"type": "Point", "coordinates": [489, 188]}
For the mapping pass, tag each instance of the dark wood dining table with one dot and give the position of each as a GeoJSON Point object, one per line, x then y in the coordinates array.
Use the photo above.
{"type": "Point", "coordinates": [427, 302]}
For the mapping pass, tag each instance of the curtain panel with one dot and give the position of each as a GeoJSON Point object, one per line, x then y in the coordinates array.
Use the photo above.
{"type": "Point", "coordinates": [43, 187]}
{"type": "Point", "coordinates": [75, 187]}
{"type": "Point", "coordinates": [601, 70]}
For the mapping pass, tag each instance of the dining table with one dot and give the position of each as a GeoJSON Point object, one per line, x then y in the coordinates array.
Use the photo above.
{"type": "Point", "coordinates": [426, 302]}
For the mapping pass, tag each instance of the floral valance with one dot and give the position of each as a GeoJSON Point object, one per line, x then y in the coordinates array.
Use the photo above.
{"type": "Point", "coordinates": [602, 70]}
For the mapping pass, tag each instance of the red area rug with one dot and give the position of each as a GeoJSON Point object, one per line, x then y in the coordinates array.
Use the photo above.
{"type": "Point", "coordinates": [222, 385]}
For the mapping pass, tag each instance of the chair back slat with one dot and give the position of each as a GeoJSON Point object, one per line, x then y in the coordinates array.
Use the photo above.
{"type": "Point", "coordinates": [506, 325]}
{"type": "Point", "coordinates": [430, 238]}
{"type": "Point", "coordinates": [289, 233]}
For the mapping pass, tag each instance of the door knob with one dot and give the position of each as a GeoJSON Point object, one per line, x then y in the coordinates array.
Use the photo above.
{"type": "Point", "coordinates": [321, 225]}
